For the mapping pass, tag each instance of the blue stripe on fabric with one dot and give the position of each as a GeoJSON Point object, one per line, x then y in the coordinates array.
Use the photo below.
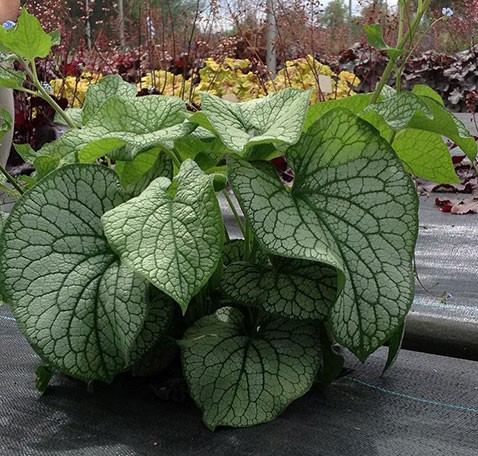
{"type": "Point", "coordinates": [413, 398]}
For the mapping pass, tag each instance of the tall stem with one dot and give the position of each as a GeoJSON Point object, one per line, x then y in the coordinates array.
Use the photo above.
{"type": "Point", "coordinates": [408, 36]}
{"type": "Point", "coordinates": [32, 73]}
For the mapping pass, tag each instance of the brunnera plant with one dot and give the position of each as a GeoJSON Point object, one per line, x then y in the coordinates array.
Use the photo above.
{"type": "Point", "coordinates": [113, 267]}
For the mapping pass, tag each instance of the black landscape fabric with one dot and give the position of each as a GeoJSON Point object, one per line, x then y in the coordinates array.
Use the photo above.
{"type": "Point", "coordinates": [425, 405]}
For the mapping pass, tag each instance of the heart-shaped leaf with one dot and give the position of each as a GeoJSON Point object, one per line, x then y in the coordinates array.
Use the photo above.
{"type": "Point", "coordinates": [135, 124]}
{"type": "Point", "coordinates": [175, 241]}
{"type": "Point", "coordinates": [97, 94]}
{"type": "Point", "coordinates": [352, 207]}
{"type": "Point", "coordinates": [76, 304]}
{"type": "Point", "coordinates": [290, 288]}
{"type": "Point", "coordinates": [276, 119]}
{"type": "Point", "coordinates": [239, 379]}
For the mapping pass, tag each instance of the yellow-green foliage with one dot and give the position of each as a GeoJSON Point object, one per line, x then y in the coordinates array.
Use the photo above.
{"type": "Point", "coordinates": [304, 73]}
{"type": "Point", "coordinates": [231, 77]}
{"type": "Point", "coordinates": [73, 88]}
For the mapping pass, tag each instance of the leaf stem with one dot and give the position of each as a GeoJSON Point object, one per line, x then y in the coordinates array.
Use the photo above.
{"type": "Point", "coordinates": [234, 212]}
{"type": "Point", "coordinates": [11, 179]}
{"type": "Point", "coordinates": [30, 69]}
{"type": "Point", "coordinates": [173, 157]}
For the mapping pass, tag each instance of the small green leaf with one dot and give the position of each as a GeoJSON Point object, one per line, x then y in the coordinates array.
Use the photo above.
{"type": "Point", "coordinates": [276, 119]}
{"type": "Point", "coordinates": [11, 78]}
{"type": "Point", "coordinates": [394, 344]}
{"type": "Point", "coordinates": [375, 39]}
{"type": "Point", "coordinates": [55, 36]}
{"type": "Point", "coordinates": [297, 289]}
{"type": "Point", "coordinates": [352, 207]}
{"type": "Point", "coordinates": [425, 155]}
{"type": "Point", "coordinates": [239, 379]}
{"type": "Point", "coordinates": [397, 111]}
{"type": "Point", "coordinates": [79, 308]}
{"type": "Point", "coordinates": [425, 91]}
{"type": "Point", "coordinates": [28, 39]}
{"type": "Point", "coordinates": [43, 375]}
{"type": "Point", "coordinates": [173, 241]}
{"type": "Point", "coordinates": [97, 94]}
{"type": "Point", "coordinates": [374, 36]}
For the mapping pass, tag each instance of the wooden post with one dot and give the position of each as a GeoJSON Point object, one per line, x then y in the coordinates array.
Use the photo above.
{"type": "Point", "coordinates": [271, 33]}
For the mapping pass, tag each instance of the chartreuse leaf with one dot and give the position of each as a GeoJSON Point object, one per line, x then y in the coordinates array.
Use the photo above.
{"type": "Point", "coordinates": [175, 241]}
{"type": "Point", "coordinates": [276, 119]}
{"type": "Point", "coordinates": [446, 124]}
{"type": "Point", "coordinates": [290, 288]}
{"type": "Point", "coordinates": [27, 40]}
{"type": "Point", "coordinates": [105, 88]}
{"type": "Point", "coordinates": [425, 155]}
{"type": "Point", "coordinates": [77, 305]}
{"type": "Point", "coordinates": [242, 379]}
{"type": "Point", "coordinates": [397, 111]}
{"type": "Point", "coordinates": [352, 207]}
{"type": "Point", "coordinates": [125, 126]}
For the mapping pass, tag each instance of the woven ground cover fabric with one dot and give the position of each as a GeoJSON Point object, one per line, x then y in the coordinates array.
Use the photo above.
{"type": "Point", "coordinates": [447, 262]}
{"type": "Point", "coordinates": [425, 405]}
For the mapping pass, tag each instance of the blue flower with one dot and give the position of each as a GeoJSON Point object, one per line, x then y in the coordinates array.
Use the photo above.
{"type": "Point", "coordinates": [9, 25]}
{"type": "Point", "coordinates": [47, 87]}
{"type": "Point", "coordinates": [447, 12]}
